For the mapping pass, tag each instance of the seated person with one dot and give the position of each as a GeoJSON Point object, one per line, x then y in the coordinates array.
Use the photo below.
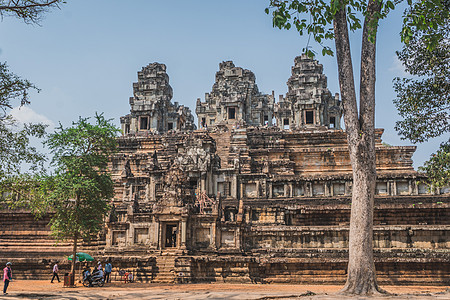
{"type": "Point", "coordinates": [98, 274]}
{"type": "Point", "coordinates": [87, 275]}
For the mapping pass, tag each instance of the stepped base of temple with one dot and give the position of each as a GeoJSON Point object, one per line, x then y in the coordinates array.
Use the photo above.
{"type": "Point", "coordinates": [28, 244]}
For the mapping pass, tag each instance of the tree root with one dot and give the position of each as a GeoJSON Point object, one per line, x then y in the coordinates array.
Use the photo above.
{"type": "Point", "coordinates": [366, 289]}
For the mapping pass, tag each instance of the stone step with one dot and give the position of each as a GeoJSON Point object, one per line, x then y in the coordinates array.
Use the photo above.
{"type": "Point", "coordinates": [33, 248]}
{"type": "Point", "coordinates": [164, 271]}
{"type": "Point", "coordinates": [34, 255]}
{"type": "Point", "coordinates": [10, 244]}
{"type": "Point", "coordinates": [165, 263]}
{"type": "Point", "coordinates": [165, 267]}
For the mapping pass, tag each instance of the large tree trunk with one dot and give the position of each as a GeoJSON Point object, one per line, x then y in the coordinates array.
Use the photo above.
{"type": "Point", "coordinates": [75, 243]}
{"type": "Point", "coordinates": [360, 130]}
{"type": "Point", "coordinates": [74, 256]}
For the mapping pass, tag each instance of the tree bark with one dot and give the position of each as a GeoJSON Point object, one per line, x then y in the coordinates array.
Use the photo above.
{"type": "Point", "coordinates": [75, 243]}
{"type": "Point", "coordinates": [74, 256]}
{"type": "Point", "coordinates": [361, 279]}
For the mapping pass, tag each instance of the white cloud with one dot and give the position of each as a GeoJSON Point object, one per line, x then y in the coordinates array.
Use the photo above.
{"type": "Point", "coordinates": [24, 114]}
{"type": "Point", "coordinates": [398, 68]}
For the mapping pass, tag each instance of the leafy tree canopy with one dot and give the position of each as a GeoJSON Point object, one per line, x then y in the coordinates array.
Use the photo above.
{"type": "Point", "coordinates": [424, 101]}
{"type": "Point", "coordinates": [12, 87]}
{"type": "Point", "coordinates": [81, 183]}
{"type": "Point", "coordinates": [437, 167]}
{"type": "Point", "coordinates": [316, 17]}
{"type": "Point", "coordinates": [15, 147]}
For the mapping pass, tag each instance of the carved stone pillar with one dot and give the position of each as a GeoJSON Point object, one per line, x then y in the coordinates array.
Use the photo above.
{"type": "Point", "coordinates": [183, 234]}
{"type": "Point", "coordinates": [212, 236]}
{"type": "Point", "coordinates": [203, 183]}
{"type": "Point", "coordinates": [160, 241]}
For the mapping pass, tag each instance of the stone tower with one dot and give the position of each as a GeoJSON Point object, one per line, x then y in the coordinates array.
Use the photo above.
{"type": "Point", "coordinates": [151, 106]}
{"type": "Point", "coordinates": [235, 99]}
{"type": "Point", "coordinates": [308, 102]}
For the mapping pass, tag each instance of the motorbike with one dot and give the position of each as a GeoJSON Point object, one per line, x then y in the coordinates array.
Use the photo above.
{"type": "Point", "coordinates": [95, 280]}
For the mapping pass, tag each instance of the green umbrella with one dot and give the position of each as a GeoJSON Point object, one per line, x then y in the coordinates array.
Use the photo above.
{"type": "Point", "coordinates": [82, 257]}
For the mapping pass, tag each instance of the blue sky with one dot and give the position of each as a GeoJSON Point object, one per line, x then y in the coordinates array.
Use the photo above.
{"type": "Point", "coordinates": [85, 57]}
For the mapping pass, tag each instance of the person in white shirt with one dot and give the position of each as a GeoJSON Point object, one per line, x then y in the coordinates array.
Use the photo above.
{"type": "Point", "coordinates": [55, 272]}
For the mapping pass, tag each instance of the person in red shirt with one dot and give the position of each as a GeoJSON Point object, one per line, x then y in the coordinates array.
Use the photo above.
{"type": "Point", "coordinates": [7, 277]}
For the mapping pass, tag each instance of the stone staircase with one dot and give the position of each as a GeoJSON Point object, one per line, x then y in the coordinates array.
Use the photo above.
{"type": "Point", "coordinates": [239, 150]}
{"type": "Point", "coordinates": [165, 269]}
{"type": "Point", "coordinates": [222, 139]}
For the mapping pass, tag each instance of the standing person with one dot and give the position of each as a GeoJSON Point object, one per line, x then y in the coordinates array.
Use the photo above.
{"type": "Point", "coordinates": [55, 272]}
{"type": "Point", "coordinates": [7, 277]}
{"type": "Point", "coordinates": [99, 265]}
{"type": "Point", "coordinates": [108, 270]}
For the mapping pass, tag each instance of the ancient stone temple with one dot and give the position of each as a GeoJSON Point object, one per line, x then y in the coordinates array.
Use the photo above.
{"type": "Point", "coordinates": [243, 199]}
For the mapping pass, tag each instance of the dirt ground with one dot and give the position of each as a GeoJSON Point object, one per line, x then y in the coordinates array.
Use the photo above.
{"type": "Point", "coordinates": [38, 289]}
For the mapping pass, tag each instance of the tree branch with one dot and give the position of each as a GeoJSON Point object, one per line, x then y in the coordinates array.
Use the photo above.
{"type": "Point", "coordinates": [367, 79]}
{"type": "Point", "coordinates": [32, 5]}
{"type": "Point", "coordinates": [30, 11]}
{"type": "Point", "coordinates": [345, 71]}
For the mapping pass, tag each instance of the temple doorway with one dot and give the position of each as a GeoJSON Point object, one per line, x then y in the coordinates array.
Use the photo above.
{"type": "Point", "coordinates": [171, 235]}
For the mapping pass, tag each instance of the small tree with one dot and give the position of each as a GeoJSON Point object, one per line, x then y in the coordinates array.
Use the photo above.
{"type": "Point", "coordinates": [79, 190]}
{"type": "Point", "coordinates": [437, 167]}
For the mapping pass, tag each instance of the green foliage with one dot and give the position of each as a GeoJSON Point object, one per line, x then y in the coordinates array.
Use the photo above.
{"type": "Point", "coordinates": [425, 16]}
{"type": "Point", "coordinates": [424, 105]}
{"type": "Point", "coordinates": [29, 11]}
{"type": "Point", "coordinates": [11, 88]}
{"type": "Point", "coordinates": [316, 18]}
{"type": "Point", "coordinates": [26, 191]}
{"type": "Point", "coordinates": [81, 185]}
{"type": "Point", "coordinates": [437, 167]}
{"type": "Point", "coordinates": [424, 102]}
{"type": "Point", "coordinates": [15, 148]}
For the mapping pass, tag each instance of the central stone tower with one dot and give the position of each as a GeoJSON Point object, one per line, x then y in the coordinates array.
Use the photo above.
{"type": "Point", "coordinates": [235, 99]}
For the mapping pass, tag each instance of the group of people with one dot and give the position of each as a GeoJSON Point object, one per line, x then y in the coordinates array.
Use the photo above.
{"type": "Point", "coordinates": [98, 273]}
